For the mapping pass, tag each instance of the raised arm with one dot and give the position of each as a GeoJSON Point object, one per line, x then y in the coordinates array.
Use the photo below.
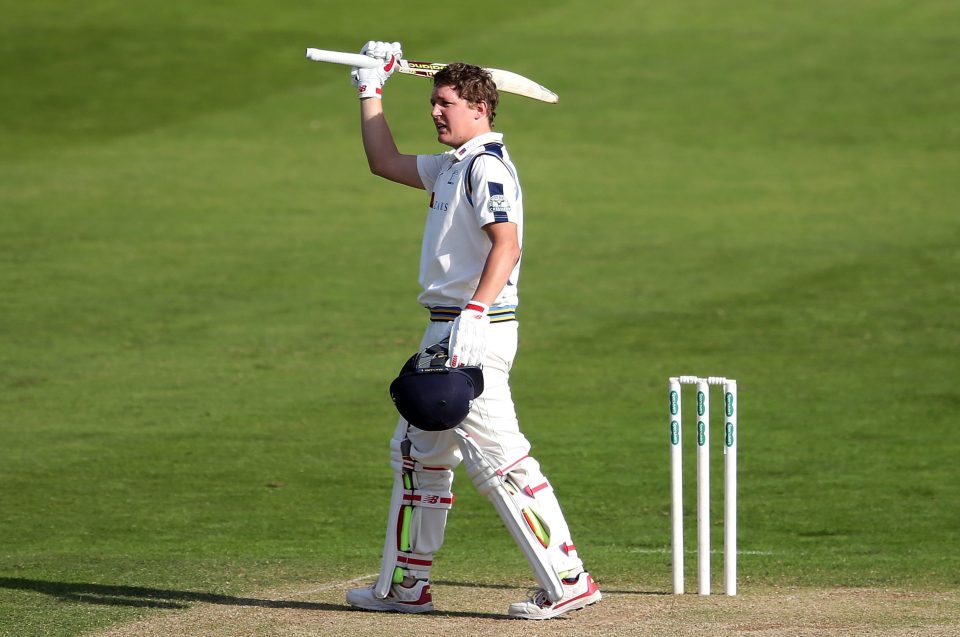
{"type": "Point", "coordinates": [382, 155]}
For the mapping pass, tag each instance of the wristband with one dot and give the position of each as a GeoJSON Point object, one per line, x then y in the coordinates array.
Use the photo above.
{"type": "Point", "coordinates": [369, 89]}
{"type": "Point", "coordinates": [477, 306]}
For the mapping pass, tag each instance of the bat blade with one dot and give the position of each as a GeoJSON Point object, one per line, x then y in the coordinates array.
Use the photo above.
{"type": "Point", "coordinates": [517, 84]}
{"type": "Point", "coordinates": [506, 81]}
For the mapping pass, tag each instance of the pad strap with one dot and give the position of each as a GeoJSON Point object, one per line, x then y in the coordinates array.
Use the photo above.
{"type": "Point", "coordinates": [530, 490]}
{"type": "Point", "coordinates": [405, 559]}
{"type": "Point", "coordinates": [431, 499]}
{"type": "Point", "coordinates": [506, 467]}
{"type": "Point", "coordinates": [401, 461]}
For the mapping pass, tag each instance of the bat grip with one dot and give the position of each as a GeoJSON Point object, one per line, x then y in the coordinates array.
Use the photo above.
{"type": "Point", "coordinates": [338, 57]}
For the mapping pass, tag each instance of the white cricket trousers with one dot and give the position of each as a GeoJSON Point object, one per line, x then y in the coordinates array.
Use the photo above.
{"type": "Point", "coordinates": [493, 425]}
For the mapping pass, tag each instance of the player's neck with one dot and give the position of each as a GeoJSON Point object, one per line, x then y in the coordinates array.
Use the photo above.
{"type": "Point", "coordinates": [478, 133]}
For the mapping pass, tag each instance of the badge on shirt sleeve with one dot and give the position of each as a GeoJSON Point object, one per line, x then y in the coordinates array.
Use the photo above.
{"type": "Point", "coordinates": [498, 204]}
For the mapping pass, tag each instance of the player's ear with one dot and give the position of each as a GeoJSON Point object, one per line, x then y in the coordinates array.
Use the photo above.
{"type": "Point", "coordinates": [480, 109]}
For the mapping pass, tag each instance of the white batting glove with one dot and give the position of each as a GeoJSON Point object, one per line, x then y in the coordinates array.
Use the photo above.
{"type": "Point", "coordinates": [468, 337]}
{"type": "Point", "coordinates": [369, 82]}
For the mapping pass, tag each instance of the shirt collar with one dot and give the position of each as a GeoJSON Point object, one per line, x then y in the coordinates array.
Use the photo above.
{"type": "Point", "coordinates": [480, 140]}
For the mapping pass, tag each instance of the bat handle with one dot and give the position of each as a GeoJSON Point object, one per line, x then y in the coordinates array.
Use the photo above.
{"type": "Point", "coordinates": [338, 57]}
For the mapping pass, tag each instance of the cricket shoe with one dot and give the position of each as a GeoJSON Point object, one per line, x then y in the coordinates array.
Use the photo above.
{"type": "Point", "coordinates": [416, 599]}
{"type": "Point", "coordinates": [581, 592]}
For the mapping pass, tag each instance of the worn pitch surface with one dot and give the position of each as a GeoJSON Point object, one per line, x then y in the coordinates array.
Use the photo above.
{"type": "Point", "coordinates": [466, 609]}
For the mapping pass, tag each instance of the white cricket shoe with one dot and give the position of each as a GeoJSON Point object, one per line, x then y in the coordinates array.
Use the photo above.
{"type": "Point", "coordinates": [416, 599]}
{"type": "Point", "coordinates": [582, 592]}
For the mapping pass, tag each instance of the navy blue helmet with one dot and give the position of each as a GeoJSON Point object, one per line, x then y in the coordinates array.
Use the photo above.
{"type": "Point", "coordinates": [430, 395]}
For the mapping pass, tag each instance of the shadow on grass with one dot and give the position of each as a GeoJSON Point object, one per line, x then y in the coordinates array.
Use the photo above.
{"type": "Point", "coordinates": [141, 597]}
{"type": "Point", "coordinates": [160, 598]}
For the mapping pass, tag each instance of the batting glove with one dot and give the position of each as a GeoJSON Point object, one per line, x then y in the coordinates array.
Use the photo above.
{"type": "Point", "coordinates": [468, 337]}
{"type": "Point", "coordinates": [369, 82]}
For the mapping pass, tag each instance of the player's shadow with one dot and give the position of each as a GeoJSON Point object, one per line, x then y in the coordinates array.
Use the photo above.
{"type": "Point", "coordinates": [142, 597]}
{"type": "Point", "coordinates": [161, 598]}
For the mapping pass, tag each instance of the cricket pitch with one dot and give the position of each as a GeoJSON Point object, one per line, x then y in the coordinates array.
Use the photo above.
{"type": "Point", "coordinates": [478, 610]}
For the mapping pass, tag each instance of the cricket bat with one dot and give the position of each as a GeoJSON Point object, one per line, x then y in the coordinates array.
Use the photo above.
{"type": "Point", "coordinates": [506, 81]}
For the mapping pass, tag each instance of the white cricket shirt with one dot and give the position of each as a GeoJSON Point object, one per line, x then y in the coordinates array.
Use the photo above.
{"type": "Point", "coordinates": [455, 246]}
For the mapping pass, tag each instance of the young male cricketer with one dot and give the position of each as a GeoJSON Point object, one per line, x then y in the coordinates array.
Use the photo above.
{"type": "Point", "coordinates": [469, 269]}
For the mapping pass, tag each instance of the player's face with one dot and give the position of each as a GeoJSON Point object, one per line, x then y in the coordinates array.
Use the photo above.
{"type": "Point", "coordinates": [457, 120]}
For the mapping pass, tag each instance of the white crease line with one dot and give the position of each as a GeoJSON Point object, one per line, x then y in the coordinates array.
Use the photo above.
{"type": "Point", "coordinates": [331, 585]}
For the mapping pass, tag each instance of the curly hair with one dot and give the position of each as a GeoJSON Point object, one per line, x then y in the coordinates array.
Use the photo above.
{"type": "Point", "coordinates": [471, 83]}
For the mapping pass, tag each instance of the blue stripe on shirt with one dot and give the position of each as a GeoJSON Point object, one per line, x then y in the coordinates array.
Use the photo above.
{"type": "Point", "coordinates": [496, 149]}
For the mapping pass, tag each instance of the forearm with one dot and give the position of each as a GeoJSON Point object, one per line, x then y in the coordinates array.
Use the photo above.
{"type": "Point", "coordinates": [467, 336]}
{"type": "Point", "coordinates": [378, 141]}
{"type": "Point", "coordinates": [496, 273]}
{"type": "Point", "coordinates": [382, 155]}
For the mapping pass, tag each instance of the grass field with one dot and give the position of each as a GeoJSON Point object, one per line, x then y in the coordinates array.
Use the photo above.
{"type": "Point", "coordinates": [204, 294]}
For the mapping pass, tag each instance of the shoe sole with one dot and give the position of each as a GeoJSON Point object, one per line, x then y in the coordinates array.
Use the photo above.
{"type": "Point", "coordinates": [389, 608]}
{"type": "Point", "coordinates": [580, 605]}
{"type": "Point", "coordinates": [378, 605]}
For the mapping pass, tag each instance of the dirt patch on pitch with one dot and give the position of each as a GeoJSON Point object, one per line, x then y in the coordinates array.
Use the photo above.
{"type": "Point", "coordinates": [477, 610]}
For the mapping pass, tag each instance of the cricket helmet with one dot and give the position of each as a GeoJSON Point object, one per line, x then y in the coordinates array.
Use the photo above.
{"type": "Point", "coordinates": [432, 396]}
